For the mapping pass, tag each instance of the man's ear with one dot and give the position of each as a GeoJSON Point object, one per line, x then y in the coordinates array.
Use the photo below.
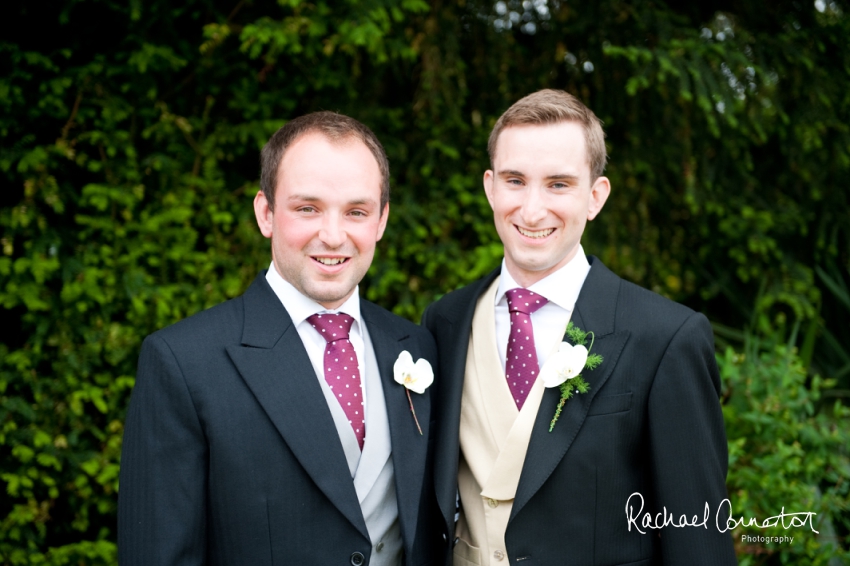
{"type": "Point", "coordinates": [382, 224]}
{"type": "Point", "coordinates": [489, 180]}
{"type": "Point", "coordinates": [264, 214]}
{"type": "Point", "coordinates": [598, 195]}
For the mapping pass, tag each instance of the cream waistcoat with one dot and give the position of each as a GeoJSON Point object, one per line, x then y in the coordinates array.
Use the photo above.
{"type": "Point", "coordinates": [494, 438]}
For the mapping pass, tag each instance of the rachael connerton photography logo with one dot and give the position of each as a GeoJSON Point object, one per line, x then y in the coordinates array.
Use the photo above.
{"type": "Point", "coordinates": [763, 539]}
{"type": "Point", "coordinates": [667, 519]}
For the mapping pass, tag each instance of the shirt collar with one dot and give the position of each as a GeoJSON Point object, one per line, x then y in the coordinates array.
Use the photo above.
{"type": "Point", "coordinates": [561, 287]}
{"type": "Point", "coordinates": [300, 307]}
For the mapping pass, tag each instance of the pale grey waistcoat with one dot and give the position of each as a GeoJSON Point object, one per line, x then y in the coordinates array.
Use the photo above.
{"type": "Point", "coordinates": [372, 471]}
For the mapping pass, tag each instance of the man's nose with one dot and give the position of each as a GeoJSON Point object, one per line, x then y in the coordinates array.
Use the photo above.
{"type": "Point", "coordinates": [332, 233]}
{"type": "Point", "coordinates": [533, 207]}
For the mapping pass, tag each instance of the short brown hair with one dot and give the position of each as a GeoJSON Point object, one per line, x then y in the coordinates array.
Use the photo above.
{"type": "Point", "coordinates": [550, 106]}
{"type": "Point", "coordinates": [334, 126]}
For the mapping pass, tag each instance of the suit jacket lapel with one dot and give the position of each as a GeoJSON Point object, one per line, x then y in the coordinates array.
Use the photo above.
{"type": "Point", "coordinates": [595, 310]}
{"type": "Point", "coordinates": [273, 362]}
{"type": "Point", "coordinates": [409, 448]}
{"type": "Point", "coordinates": [455, 326]}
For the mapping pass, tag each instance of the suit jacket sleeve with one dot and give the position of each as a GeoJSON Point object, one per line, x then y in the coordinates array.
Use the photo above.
{"type": "Point", "coordinates": [161, 506]}
{"type": "Point", "coordinates": [688, 447]}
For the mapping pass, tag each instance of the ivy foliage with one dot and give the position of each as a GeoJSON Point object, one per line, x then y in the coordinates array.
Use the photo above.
{"type": "Point", "coordinates": [785, 457]}
{"type": "Point", "coordinates": [129, 141]}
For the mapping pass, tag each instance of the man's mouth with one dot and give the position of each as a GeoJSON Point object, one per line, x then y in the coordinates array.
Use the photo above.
{"type": "Point", "coordinates": [331, 260]}
{"type": "Point", "coordinates": [538, 234]}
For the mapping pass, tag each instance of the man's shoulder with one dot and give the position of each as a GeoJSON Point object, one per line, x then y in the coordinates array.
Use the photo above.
{"type": "Point", "coordinates": [218, 324]}
{"type": "Point", "coordinates": [379, 316]}
{"type": "Point", "coordinates": [224, 323]}
{"type": "Point", "coordinates": [457, 301]}
{"type": "Point", "coordinates": [644, 310]}
{"type": "Point", "coordinates": [643, 300]}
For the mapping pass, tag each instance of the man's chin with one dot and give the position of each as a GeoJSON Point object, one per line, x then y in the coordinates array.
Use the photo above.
{"type": "Point", "coordinates": [329, 295]}
{"type": "Point", "coordinates": [533, 263]}
{"type": "Point", "coordinates": [534, 267]}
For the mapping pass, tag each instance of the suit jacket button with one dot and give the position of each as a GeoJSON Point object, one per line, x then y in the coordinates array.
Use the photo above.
{"type": "Point", "coordinates": [357, 559]}
{"type": "Point", "coordinates": [499, 555]}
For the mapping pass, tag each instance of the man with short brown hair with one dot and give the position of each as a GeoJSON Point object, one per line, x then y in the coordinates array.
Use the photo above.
{"type": "Point", "coordinates": [546, 431]}
{"type": "Point", "coordinates": [271, 429]}
{"type": "Point", "coordinates": [552, 107]}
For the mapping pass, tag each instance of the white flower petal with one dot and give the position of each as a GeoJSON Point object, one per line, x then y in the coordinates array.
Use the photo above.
{"type": "Point", "coordinates": [403, 367]}
{"type": "Point", "coordinates": [551, 373]}
{"type": "Point", "coordinates": [423, 376]}
{"type": "Point", "coordinates": [563, 365]}
{"type": "Point", "coordinates": [579, 357]}
{"type": "Point", "coordinates": [416, 377]}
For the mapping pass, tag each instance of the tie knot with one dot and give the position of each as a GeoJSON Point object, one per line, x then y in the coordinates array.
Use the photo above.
{"type": "Point", "coordinates": [524, 301]}
{"type": "Point", "coordinates": [332, 327]}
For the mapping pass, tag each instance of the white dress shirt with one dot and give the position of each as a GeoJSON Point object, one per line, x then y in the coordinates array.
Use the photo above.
{"type": "Point", "coordinates": [372, 470]}
{"type": "Point", "coordinates": [300, 308]}
{"type": "Point", "coordinates": [549, 322]}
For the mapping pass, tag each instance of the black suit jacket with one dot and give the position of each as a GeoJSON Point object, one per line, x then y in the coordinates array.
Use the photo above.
{"type": "Point", "coordinates": [230, 452]}
{"type": "Point", "coordinates": [651, 423]}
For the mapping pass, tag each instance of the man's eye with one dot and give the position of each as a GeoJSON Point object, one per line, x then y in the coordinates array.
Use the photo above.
{"type": "Point", "coordinates": [307, 209]}
{"type": "Point", "coordinates": [514, 182]}
{"type": "Point", "coordinates": [358, 213]}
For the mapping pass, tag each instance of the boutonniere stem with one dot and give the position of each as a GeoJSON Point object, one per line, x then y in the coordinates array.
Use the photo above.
{"type": "Point", "coordinates": [563, 369]}
{"type": "Point", "coordinates": [412, 410]}
{"type": "Point", "coordinates": [416, 377]}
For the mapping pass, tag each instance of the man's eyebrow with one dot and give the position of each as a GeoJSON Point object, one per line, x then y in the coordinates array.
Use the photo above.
{"type": "Point", "coordinates": [314, 198]}
{"type": "Point", "coordinates": [362, 201]}
{"type": "Point", "coordinates": [563, 177]}
{"type": "Point", "coordinates": [510, 173]}
{"type": "Point", "coordinates": [556, 177]}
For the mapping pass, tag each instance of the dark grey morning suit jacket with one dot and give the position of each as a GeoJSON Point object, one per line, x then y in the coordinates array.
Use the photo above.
{"type": "Point", "coordinates": [651, 423]}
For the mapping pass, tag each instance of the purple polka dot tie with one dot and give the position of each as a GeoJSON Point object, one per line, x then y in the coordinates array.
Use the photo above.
{"type": "Point", "coordinates": [341, 370]}
{"type": "Point", "coordinates": [521, 367]}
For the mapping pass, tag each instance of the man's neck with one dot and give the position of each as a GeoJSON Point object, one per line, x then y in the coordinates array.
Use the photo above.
{"type": "Point", "coordinates": [526, 279]}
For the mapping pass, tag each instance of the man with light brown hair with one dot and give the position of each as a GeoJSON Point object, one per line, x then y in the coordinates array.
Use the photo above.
{"type": "Point", "coordinates": [556, 442]}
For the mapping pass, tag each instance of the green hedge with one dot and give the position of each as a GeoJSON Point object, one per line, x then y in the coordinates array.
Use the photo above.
{"type": "Point", "coordinates": [785, 456]}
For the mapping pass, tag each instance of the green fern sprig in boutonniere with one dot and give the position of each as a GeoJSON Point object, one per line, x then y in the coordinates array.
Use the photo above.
{"type": "Point", "coordinates": [563, 369]}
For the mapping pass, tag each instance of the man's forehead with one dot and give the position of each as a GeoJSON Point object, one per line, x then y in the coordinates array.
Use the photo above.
{"type": "Point", "coordinates": [569, 133]}
{"type": "Point", "coordinates": [559, 145]}
{"type": "Point", "coordinates": [314, 143]}
{"type": "Point", "coordinates": [318, 137]}
{"type": "Point", "coordinates": [319, 169]}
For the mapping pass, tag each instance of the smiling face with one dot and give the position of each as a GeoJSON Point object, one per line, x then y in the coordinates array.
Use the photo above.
{"type": "Point", "coordinates": [542, 197]}
{"type": "Point", "coordinates": [327, 216]}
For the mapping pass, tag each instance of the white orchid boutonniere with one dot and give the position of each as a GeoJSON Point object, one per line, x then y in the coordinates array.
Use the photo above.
{"type": "Point", "coordinates": [563, 369]}
{"type": "Point", "coordinates": [416, 377]}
